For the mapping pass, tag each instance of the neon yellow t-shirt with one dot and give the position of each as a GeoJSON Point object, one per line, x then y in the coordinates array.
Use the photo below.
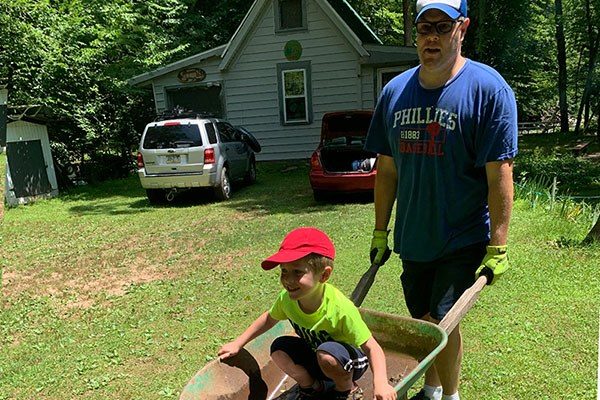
{"type": "Point", "coordinates": [336, 319]}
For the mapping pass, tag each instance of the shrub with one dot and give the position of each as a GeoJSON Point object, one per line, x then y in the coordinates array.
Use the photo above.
{"type": "Point", "coordinates": [572, 173]}
{"type": "Point", "coordinates": [104, 166]}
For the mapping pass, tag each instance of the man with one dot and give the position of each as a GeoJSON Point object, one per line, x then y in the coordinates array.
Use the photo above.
{"type": "Point", "coordinates": [446, 134]}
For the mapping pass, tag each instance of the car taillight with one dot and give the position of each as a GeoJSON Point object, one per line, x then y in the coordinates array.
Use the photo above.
{"type": "Point", "coordinates": [172, 123]}
{"type": "Point", "coordinates": [315, 162]}
{"type": "Point", "coordinates": [140, 160]}
{"type": "Point", "coordinates": [209, 156]}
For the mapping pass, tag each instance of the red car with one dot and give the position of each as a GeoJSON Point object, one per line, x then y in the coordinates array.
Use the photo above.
{"type": "Point", "coordinates": [340, 164]}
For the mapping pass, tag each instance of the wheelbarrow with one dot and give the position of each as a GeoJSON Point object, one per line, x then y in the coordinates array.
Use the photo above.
{"type": "Point", "coordinates": [410, 346]}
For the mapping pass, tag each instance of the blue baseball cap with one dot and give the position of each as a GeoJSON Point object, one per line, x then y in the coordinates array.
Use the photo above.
{"type": "Point", "coordinates": [453, 8]}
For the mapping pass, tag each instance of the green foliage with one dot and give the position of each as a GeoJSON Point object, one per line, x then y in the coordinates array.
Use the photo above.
{"type": "Point", "coordinates": [572, 173]}
{"type": "Point", "coordinates": [74, 57]}
{"type": "Point", "coordinates": [384, 17]}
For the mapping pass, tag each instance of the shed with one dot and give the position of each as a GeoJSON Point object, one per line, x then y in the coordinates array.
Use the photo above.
{"type": "Point", "coordinates": [288, 63]}
{"type": "Point", "coordinates": [29, 169]}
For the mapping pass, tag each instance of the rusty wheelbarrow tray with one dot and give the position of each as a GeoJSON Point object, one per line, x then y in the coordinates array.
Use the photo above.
{"type": "Point", "coordinates": [410, 346]}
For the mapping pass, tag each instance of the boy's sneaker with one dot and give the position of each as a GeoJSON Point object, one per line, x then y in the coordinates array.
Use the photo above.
{"type": "Point", "coordinates": [421, 396]}
{"type": "Point", "coordinates": [355, 394]}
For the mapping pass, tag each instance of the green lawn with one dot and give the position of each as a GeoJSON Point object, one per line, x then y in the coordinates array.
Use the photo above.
{"type": "Point", "coordinates": [2, 182]}
{"type": "Point", "coordinates": [105, 297]}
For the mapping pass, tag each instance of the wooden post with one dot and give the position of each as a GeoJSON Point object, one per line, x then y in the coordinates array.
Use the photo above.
{"type": "Point", "coordinates": [553, 195]}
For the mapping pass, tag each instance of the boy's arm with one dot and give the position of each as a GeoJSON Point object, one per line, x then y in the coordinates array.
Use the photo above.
{"type": "Point", "coordinates": [382, 390]}
{"type": "Point", "coordinates": [257, 328]}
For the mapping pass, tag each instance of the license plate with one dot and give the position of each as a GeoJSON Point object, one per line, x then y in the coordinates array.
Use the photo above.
{"type": "Point", "coordinates": [173, 159]}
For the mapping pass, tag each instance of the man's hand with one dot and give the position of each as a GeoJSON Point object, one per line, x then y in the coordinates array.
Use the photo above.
{"type": "Point", "coordinates": [380, 252]}
{"type": "Point", "coordinates": [494, 264]}
{"type": "Point", "coordinates": [228, 350]}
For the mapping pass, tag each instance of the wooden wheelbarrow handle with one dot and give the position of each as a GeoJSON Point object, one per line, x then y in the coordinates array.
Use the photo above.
{"type": "Point", "coordinates": [363, 286]}
{"type": "Point", "coordinates": [454, 316]}
{"type": "Point", "coordinates": [463, 305]}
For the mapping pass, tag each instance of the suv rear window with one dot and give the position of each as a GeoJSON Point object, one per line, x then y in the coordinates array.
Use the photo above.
{"type": "Point", "coordinates": [172, 136]}
{"type": "Point", "coordinates": [210, 131]}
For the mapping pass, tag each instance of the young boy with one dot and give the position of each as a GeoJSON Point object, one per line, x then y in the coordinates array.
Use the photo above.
{"type": "Point", "coordinates": [332, 337]}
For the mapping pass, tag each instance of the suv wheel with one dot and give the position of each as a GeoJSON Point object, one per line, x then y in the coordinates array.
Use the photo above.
{"type": "Point", "coordinates": [156, 196]}
{"type": "Point", "coordinates": [251, 174]}
{"type": "Point", "coordinates": [223, 189]}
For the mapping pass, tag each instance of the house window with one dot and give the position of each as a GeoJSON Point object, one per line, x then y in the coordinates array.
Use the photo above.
{"type": "Point", "coordinates": [385, 75]}
{"type": "Point", "coordinates": [295, 93]}
{"type": "Point", "coordinates": [290, 15]}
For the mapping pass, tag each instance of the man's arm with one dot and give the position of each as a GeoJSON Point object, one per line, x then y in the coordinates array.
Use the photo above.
{"type": "Point", "coordinates": [257, 328]}
{"type": "Point", "coordinates": [386, 183]}
{"type": "Point", "coordinates": [500, 199]}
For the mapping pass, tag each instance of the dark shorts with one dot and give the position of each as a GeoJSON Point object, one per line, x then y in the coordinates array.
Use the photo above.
{"type": "Point", "coordinates": [434, 286]}
{"type": "Point", "coordinates": [350, 358]}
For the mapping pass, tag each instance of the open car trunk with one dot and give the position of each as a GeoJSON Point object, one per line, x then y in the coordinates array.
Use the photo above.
{"type": "Point", "coordinates": [343, 136]}
{"type": "Point", "coordinates": [347, 159]}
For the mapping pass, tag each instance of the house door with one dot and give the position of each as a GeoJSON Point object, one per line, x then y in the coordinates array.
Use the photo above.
{"type": "Point", "coordinates": [27, 168]}
{"type": "Point", "coordinates": [202, 99]}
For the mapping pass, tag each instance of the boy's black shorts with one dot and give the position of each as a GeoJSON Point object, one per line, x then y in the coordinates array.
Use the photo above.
{"type": "Point", "coordinates": [434, 286]}
{"type": "Point", "coordinates": [352, 359]}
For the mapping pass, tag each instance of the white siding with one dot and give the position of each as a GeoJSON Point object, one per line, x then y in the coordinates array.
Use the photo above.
{"type": "Point", "coordinates": [368, 87]}
{"type": "Point", "coordinates": [252, 91]}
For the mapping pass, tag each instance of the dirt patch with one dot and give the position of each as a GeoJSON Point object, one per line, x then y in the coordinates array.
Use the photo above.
{"type": "Point", "coordinates": [109, 270]}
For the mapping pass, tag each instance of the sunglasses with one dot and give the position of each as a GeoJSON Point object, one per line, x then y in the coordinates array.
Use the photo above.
{"type": "Point", "coordinates": [441, 27]}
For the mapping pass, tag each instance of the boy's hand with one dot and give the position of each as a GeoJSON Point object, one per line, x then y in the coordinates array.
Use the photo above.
{"type": "Point", "coordinates": [383, 391]}
{"type": "Point", "coordinates": [494, 264]}
{"type": "Point", "coordinates": [228, 350]}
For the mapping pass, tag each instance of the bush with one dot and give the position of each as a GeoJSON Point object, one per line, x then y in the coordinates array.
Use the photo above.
{"type": "Point", "coordinates": [572, 173]}
{"type": "Point", "coordinates": [103, 167]}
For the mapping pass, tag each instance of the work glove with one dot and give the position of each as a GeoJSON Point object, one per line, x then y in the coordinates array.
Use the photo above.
{"type": "Point", "coordinates": [494, 264]}
{"type": "Point", "coordinates": [380, 252]}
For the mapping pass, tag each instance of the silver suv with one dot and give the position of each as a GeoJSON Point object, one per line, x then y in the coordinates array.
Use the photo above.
{"type": "Point", "coordinates": [179, 152]}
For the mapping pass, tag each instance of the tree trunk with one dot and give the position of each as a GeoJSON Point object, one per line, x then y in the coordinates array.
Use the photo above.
{"type": "Point", "coordinates": [594, 234]}
{"type": "Point", "coordinates": [408, 22]}
{"type": "Point", "coordinates": [562, 66]}
{"type": "Point", "coordinates": [481, 18]}
{"type": "Point", "coordinates": [585, 97]}
{"type": "Point", "coordinates": [592, 45]}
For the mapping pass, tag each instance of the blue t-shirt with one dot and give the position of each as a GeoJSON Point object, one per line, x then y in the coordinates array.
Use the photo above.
{"type": "Point", "coordinates": [441, 140]}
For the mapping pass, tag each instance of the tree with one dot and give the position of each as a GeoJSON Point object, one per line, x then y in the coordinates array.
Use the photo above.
{"type": "Point", "coordinates": [592, 44]}
{"type": "Point", "coordinates": [562, 67]}
{"type": "Point", "coordinates": [384, 17]}
{"type": "Point", "coordinates": [594, 234]}
{"type": "Point", "coordinates": [407, 17]}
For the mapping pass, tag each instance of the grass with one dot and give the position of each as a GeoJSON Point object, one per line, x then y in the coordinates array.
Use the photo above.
{"type": "Point", "coordinates": [105, 297]}
{"type": "Point", "coordinates": [2, 182]}
{"type": "Point", "coordinates": [558, 142]}
{"type": "Point", "coordinates": [543, 157]}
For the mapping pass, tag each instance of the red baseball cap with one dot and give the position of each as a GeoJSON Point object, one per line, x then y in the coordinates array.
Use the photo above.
{"type": "Point", "coordinates": [299, 243]}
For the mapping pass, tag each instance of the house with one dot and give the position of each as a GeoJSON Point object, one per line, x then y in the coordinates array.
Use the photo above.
{"type": "Point", "coordinates": [288, 63]}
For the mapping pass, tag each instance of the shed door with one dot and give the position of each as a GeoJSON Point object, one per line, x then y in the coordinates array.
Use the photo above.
{"type": "Point", "coordinates": [28, 168]}
{"type": "Point", "coordinates": [198, 98]}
